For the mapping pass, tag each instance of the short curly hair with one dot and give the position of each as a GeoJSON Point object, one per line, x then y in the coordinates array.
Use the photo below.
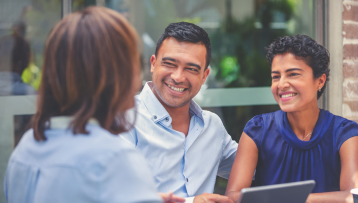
{"type": "Point", "coordinates": [306, 49]}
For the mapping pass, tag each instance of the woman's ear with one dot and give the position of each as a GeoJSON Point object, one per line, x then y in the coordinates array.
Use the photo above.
{"type": "Point", "coordinates": [322, 80]}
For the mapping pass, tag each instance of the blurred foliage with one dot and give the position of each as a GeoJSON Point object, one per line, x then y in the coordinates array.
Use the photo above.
{"type": "Point", "coordinates": [229, 69]}
{"type": "Point", "coordinates": [189, 20]}
{"type": "Point", "coordinates": [245, 42]}
{"type": "Point", "coordinates": [40, 18]}
{"type": "Point", "coordinates": [78, 5]}
{"type": "Point", "coordinates": [161, 13]}
{"type": "Point", "coordinates": [32, 76]}
{"type": "Point", "coordinates": [241, 44]}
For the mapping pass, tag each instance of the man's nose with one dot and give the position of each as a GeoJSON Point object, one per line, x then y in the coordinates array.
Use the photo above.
{"type": "Point", "coordinates": [178, 75]}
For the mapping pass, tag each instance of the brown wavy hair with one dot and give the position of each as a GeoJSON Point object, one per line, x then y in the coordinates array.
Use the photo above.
{"type": "Point", "coordinates": [90, 61]}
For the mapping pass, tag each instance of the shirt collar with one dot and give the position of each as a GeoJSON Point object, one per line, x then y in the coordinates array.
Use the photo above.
{"type": "Point", "coordinates": [63, 122]}
{"type": "Point", "coordinates": [157, 110]}
{"type": "Point", "coordinates": [195, 108]}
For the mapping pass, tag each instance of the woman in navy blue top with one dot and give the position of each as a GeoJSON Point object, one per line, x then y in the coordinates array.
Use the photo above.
{"type": "Point", "coordinates": [300, 141]}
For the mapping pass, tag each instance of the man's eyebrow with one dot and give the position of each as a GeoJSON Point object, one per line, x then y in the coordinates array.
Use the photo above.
{"type": "Point", "coordinates": [169, 59]}
{"type": "Point", "coordinates": [193, 64]}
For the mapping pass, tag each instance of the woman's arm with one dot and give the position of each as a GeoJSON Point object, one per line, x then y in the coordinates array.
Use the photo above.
{"type": "Point", "coordinates": [243, 168]}
{"type": "Point", "coordinates": [349, 175]}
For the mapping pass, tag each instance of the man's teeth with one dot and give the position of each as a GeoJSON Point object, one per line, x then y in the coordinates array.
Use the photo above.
{"type": "Point", "coordinates": [288, 95]}
{"type": "Point", "coordinates": [176, 89]}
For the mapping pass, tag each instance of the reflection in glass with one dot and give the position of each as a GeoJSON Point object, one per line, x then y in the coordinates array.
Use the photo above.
{"type": "Point", "coordinates": [78, 5]}
{"type": "Point", "coordinates": [24, 26]}
{"type": "Point", "coordinates": [14, 58]}
{"type": "Point", "coordinates": [21, 125]}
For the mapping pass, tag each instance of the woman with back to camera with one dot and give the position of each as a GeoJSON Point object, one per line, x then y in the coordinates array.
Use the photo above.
{"type": "Point", "coordinates": [300, 141]}
{"type": "Point", "coordinates": [73, 152]}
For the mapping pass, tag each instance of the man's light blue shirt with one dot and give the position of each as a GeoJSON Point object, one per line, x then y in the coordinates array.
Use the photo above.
{"type": "Point", "coordinates": [188, 166]}
{"type": "Point", "coordinates": [83, 168]}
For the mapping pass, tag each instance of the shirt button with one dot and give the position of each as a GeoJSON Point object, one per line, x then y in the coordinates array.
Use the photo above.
{"type": "Point", "coordinates": [167, 119]}
{"type": "Point", "coordinates": [187, 180]}
{"type": "Point", "coordinates": [155, 117]}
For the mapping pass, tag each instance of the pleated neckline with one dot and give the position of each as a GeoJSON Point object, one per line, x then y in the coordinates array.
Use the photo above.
{"type": "Point", "coordinates": [319, 130]}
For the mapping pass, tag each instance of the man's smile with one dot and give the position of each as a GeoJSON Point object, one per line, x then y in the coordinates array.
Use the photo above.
{"type": "Point", "coordinates": [177, 89]}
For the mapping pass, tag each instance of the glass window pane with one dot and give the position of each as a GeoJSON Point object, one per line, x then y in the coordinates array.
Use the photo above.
{"type": "Point", "coordinates": [239, 31]}
{"type": "Point", "coordinates": [24, 27]}
{"type": "Point", "coordinates": [81, 4]}
{"type": "Point", "coordinates": [22, 123]}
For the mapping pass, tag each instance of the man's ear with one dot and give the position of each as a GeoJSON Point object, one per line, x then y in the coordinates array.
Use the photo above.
{"type": "Point", "coordinates": [152, 63]}
{"type": "Point", "coordinates": [206, 73]}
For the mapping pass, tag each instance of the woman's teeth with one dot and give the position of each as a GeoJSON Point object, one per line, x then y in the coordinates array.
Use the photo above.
{"type": "Point", "coordinates": [288, 95]}
{"type": "Point", "coordinates": [176, 89]}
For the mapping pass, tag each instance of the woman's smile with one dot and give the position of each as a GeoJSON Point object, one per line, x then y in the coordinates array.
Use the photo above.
{"type": "Point", "coordinates": [286, 96]}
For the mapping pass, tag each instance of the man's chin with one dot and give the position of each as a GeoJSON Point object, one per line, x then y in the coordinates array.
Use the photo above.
{"type": "Point", "coordinates": [176, 104]}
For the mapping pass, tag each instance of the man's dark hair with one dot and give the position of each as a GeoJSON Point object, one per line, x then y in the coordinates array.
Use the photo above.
{"type": "Point", "coordinates": [306, 49]}
{"type": "Point", "coordinates": [186, 32]}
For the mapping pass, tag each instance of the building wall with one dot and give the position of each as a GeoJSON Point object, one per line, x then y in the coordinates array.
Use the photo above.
{"type": "Point", "coordinates": [350, 59]}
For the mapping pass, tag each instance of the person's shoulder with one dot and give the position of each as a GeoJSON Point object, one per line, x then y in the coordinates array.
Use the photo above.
{"type": "Point", "coordinates": [26, 142]}
{"type": "Point", "coordinates": [81, 151]}
{"type": "Point", "coordinates": [101, 149]}
{"type": "Point", "coordinates": [262, 120]}
{"type": "Point", "coordinates": [339, 121]}
{"type": "Point", "coordinates": [342, 128]}
{"type": "Point", "coordinates": [209, 116]}
{"type": "Point", "coordinates": [266, 117]}
{"type": "Point", "coordinates": [105, 141]}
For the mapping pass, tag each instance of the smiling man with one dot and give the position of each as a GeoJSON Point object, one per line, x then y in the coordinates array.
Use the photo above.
{"type": "Point", "coordinates": [186, 147]}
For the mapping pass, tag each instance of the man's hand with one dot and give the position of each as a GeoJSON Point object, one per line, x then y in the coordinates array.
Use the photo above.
{"type": "Point", "coordinates": [212, 198]}
{"type": "Point", "coordinates": [170, 198]}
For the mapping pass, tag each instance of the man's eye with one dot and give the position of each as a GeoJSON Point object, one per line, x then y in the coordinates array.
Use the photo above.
{"type": "Point", "coordinates": [169, 64]}
{"type": "Point", "coordinates": [275, 77]}
{"type": "Point", "coordinates": [293, 74]}
{"type": "Point", "coordinates": [192, 69]}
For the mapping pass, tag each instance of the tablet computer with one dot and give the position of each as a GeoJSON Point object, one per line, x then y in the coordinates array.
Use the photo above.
{"type": "Point", "coordinates": [296, 192]}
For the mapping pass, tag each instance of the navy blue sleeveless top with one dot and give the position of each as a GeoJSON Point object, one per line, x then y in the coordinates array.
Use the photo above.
{"type": "Point", "coordinates": [284, 158]}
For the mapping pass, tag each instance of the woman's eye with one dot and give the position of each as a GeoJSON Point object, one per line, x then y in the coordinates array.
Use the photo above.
{"type": "Point", "coordinates": [275, 77]}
